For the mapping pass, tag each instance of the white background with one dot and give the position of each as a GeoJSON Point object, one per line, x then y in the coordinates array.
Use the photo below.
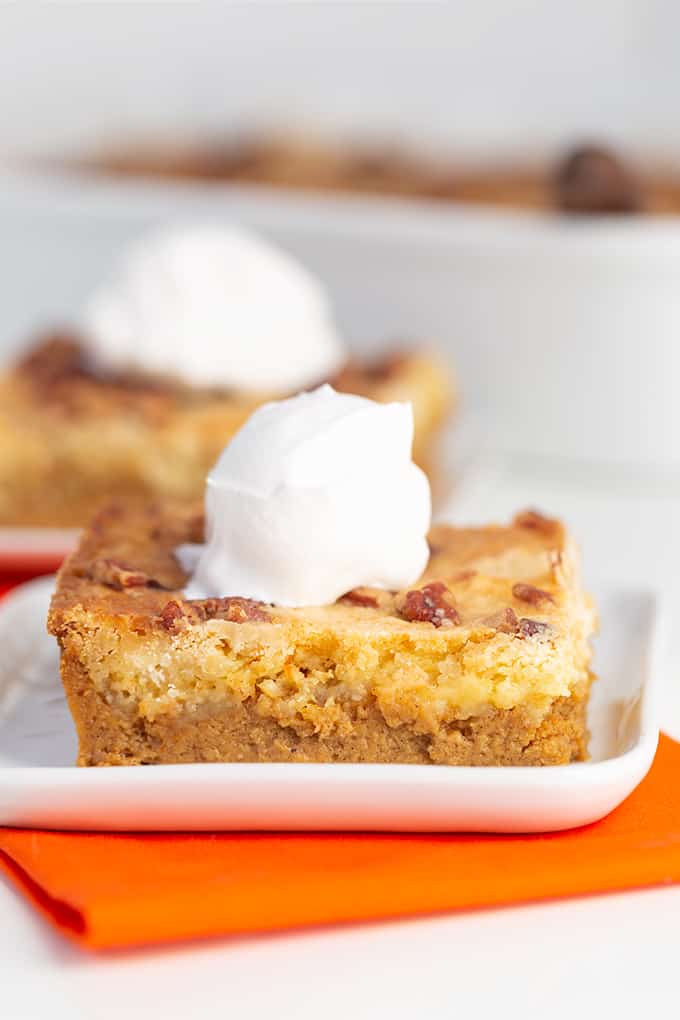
{"type": "Point", "coordinates": [500, 77]}
{"type": "Point", "coordinates": [486, 76]}
{"type": "Point", "coordinates": [611, 958]}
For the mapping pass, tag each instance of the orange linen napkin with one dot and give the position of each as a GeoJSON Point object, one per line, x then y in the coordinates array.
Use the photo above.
{"type": "Point", "coordinates": [126, 890]}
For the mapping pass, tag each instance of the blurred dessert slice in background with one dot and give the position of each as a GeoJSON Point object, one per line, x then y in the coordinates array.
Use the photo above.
{"type": "Point", "coordinates": [198, 328]}
{"type": "Point", "coordinates": [588, 178]}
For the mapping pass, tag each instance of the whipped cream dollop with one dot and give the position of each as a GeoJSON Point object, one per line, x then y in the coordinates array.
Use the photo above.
{"type": "Point", "coordinates": [215, 307]}
{"type": "Point", "coordinates": [314, 496]}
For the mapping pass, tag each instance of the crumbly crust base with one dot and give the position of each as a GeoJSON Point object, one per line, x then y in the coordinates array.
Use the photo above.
{"type": "Point", "coordinates": [237, 732]}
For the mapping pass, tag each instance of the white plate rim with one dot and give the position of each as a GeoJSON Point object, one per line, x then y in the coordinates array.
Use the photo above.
{"type": "Point", "coordinates": [625, 770]}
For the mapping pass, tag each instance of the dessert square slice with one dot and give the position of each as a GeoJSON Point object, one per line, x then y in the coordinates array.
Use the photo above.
{"type": "Point", "coordinates": [485, 661]}
{"type": "Point", "coordinates": [72, 438]}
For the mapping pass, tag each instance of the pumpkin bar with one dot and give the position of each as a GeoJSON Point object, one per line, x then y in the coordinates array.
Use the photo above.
{"type": "Point", "coordinates": [485, 661]}
{"type": "Point", "coordinates": [73, 437]}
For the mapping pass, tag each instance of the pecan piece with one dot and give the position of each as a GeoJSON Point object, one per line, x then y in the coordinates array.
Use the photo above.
{"type": "Point", "coordinates": [360, 597]}
{"type": "Point", "coordinates": [592, 179]}
{"type": "Point", "coordinates": [529, 593]}
{"type": "Point", "coordinates": [533, 628]}
{"type": "Point", "coordinates": [433, 603]}
{"type": "Point", "coordinates": [119, 575]}
{"type": "Point", "coordinates": [176, 615]}
{"type": "Point", "coordinates": [58, 356]}
{"type": "Point", "coordinates": [505, 621]}
{"type": "Point", "coordinates": [535, 521]}
{"type": "Point", "coordinates": [233, 608]}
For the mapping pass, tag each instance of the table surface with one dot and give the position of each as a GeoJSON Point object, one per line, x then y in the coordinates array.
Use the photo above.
{"type": "Point", "coordinates": [602, 956]}
{"type": "Point", "coordinates": [608, 956]}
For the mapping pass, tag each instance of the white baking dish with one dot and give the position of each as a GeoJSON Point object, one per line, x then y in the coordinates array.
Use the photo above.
{"type": "Point", "coordinates": [564, 333]}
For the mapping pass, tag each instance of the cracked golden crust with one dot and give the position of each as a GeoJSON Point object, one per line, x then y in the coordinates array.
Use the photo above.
{"type": "Point", "coordinates": [483, 571]}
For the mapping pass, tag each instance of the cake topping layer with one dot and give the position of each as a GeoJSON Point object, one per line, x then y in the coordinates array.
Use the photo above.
{"type": "Point", "coordinates": [127, 566]}
{"type": "Point", "coordinates": [497, 619]}
{"type": "Point", "coordinates": [213, 306]}
{"type": "Point", "coordinates": [315, 496]}
{"type": "Point", "coordinates": [62, 372]}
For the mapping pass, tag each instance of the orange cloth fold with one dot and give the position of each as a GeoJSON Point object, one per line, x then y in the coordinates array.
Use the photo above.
{"type": "Point", "coordinates": [108, 890]}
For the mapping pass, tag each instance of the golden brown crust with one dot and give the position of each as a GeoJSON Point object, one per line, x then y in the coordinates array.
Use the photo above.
{"type": "Point", "coordinates": [474, 570]}
{"type": "Point", "coordinates": [73, 437]}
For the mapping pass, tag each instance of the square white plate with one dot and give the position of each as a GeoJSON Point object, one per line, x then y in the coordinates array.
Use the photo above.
{"type": "Point", "coordinates": [40, 786]}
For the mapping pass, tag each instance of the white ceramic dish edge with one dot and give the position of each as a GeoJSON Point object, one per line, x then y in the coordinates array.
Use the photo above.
{"type": "Point", "coordinates": [333, 797]}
